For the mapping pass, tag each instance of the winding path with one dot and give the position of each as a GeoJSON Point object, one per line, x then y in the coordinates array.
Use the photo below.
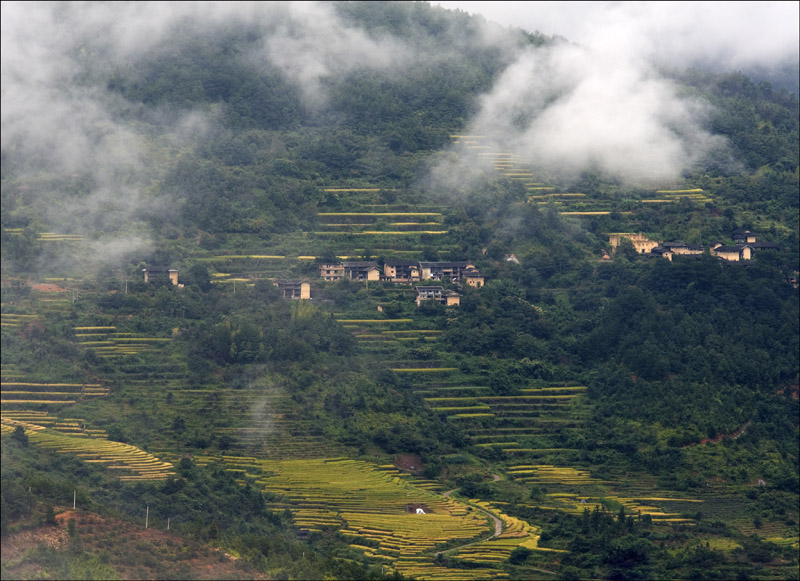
{"type": "Point", "coordinates": [498, 525]}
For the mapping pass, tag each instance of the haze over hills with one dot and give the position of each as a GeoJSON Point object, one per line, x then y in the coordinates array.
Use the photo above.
{"type": "Point", "coordinates": [375, 289]}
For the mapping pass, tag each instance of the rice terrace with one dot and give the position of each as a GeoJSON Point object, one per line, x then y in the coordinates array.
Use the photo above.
{"type": "Point", "coordinates": [389, 290]}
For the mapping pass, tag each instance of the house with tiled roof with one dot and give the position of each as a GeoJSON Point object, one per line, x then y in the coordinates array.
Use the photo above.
{"type": "Point", "coordinates": [154, 272]}
{"type": "Point", "coordinates": [733, 253]}
{"type": "Point", "coordinates": [350, 270]}
{"type": "Point", "coordinates": [405, 271]}
{"type": "Point", "coordinates": [680, 247]}
{"type": "Point", "coordinates": [451, 271]}
{"type": "Point", "coordinates": [743, 236]}
{"type": "Point", "coordinates": [473, 277]}
{"type": "Point", "coordinates": [294, 289]}
{"type": "Point", "coordinates": [449, 298]}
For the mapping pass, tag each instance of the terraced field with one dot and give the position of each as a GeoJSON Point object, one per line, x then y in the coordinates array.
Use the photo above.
{"type": "Point", "coordinates": [378, 510]}
{"type": "Point", "coordinates": [105, 341]}
{"type": "Point", "coordinates": [576, 204]}
{"type": "Point", "coordinates": [530, 424]}
{"type": "Point", "coordinates": [134, 463]}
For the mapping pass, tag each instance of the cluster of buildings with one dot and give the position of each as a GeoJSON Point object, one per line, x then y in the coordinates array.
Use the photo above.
{"type": "Point", "coordinates": [403, 271]}
{"type": "Point", "coordinates": [409, 272]}
{"type": "Point", "coordinates": [745, 244]}
{"type": "Point", "coordinates": [396, 271]}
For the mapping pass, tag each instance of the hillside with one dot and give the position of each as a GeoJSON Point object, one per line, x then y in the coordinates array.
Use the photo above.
{"type": "Point", "coordinates": [531, 342]}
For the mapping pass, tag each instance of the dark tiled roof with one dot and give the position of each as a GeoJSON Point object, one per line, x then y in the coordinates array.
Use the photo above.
{"type": "Point", "coordinates": [460, 264]}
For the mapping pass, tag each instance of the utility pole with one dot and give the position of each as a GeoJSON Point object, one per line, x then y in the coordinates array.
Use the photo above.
{"type": "Point", "coordinates": [74, 498]}
{"type": "Point", "coordinates": [147, 516]}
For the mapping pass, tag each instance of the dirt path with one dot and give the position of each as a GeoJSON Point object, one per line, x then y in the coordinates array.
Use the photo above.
{"type": "Point", "coordinates": [720, 437]}
{"type": "Point", "coordinates": [498, 528]}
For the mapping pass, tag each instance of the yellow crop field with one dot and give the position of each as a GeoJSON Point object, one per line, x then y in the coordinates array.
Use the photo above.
{"type": "Point", "coordinates": [690, 191]}
{"type": "Point", "coordinates": [135, 462]}
{"type": "Point", "coordinates": [548, 474]}
{"type": "Point", "coordinates": [351, 189]}
{"type": "Point", "coordinates": [377, 503]}
{"type": "Point", "coordinates": [241, 257]}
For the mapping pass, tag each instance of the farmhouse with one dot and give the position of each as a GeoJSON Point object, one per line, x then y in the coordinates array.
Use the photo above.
{"type": "Point", "coordinates": [367, 270]}
{"type": "Point", "coordinates": [662, 252]}
{"type": "Point", "coordinates": [734, 253]}
{"type": "Point", "coordinates": [452, 271]}
{"type": "Point", "coordinates": [401, 271]}
{"type": "Point", "coordinates": [448, 298]}
{"type": "Point", "coordinates": [473, 277]}
{"type": "Point", "coordinates": [155, 272]}
{"type": "Point", "coordinates": [294, 289]}
{"type": "Point", "coordinates": [640, 242]}
{"type": "Point", "coordinates": [333, 271]}
{"type": "Point", "coordinates": [743, 236]}
{"type": "Point", "coordinates": [679, 247]}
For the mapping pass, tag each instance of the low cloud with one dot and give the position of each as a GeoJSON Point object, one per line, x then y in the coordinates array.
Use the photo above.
{"type": "Point", "coordinates": [723, 35]}
{"type": "Point", "coordinates": [567, 109]}
{"type": "Point", "coordinates": [86, 169]}
{"type": "Point", "coordinates": [312, 44]}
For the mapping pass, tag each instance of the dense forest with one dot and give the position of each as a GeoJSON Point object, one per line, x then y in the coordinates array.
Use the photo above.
{"type": "Point", "coordinates": [586, 411]}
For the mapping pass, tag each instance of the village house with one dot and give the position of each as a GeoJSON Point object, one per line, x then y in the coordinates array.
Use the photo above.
{"type": "Point", "coordinates": [682, 248]}
{"type": "Point", "coordinates": [473, 277]}
{"type": "Point", "coordinates": [743, 236]}
{"type": "Point", "coordinates": [155, 272]}
{"type": "Point", "coordinates": [332, 271]}
{"type": "Point", "coordinates": [452, 271]}
{"type": "Point", "coordinates": [365, 270]}
{"type": "Point", "coordinates": [401, 271]}
{"type": "Point", "coordinates": [733, 253]}
{"type": "Point", "coordinates": [294, 289]}
{"type": "Point", "coordinates": [640, 242]}
{"type": "Point", "coordinates": [661, 252]}
{"type": "Point", "coordinates": [448, 298]}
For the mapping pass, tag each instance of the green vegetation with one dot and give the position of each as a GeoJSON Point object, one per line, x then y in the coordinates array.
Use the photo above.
{"type": "Point", "coordinates": [625, 418]}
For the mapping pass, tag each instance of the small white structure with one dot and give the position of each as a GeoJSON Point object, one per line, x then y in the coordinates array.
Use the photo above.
{"type": "Point", "coordinates": [420, 511]}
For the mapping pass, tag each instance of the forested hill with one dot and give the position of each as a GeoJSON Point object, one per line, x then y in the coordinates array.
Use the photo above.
{"type": "Point", "coordinates": [614, 395]}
